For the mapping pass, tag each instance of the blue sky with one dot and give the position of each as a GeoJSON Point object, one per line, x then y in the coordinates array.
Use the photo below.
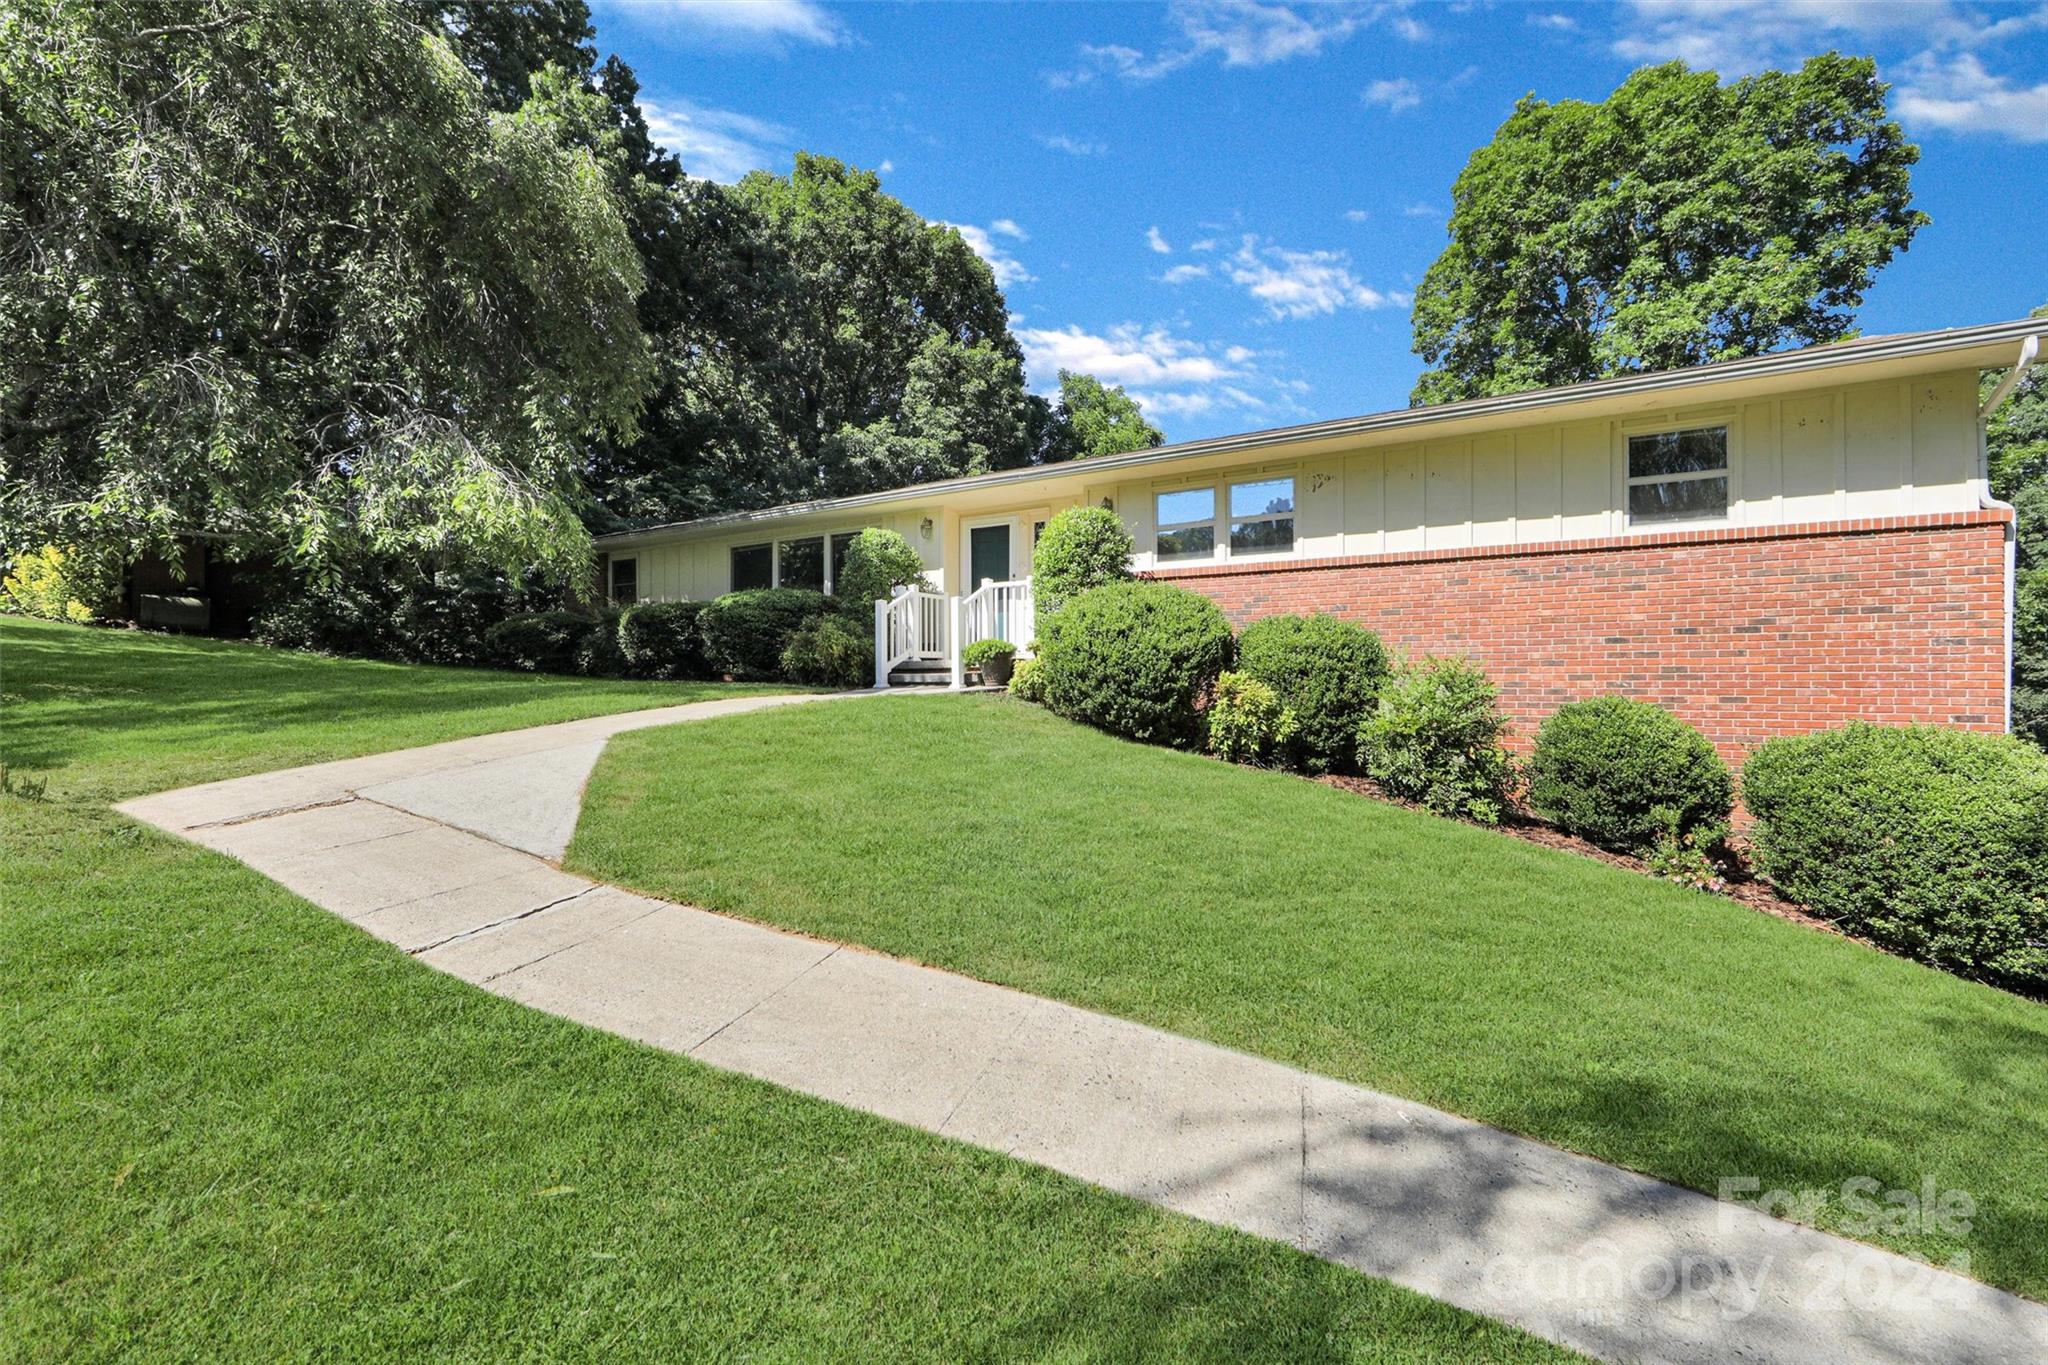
{"type": "Point", "coordinates": [1225, 207]}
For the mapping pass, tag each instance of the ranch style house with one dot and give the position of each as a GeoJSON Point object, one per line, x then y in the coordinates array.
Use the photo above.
{"type": "Point", "coordinates": [1764, 546]}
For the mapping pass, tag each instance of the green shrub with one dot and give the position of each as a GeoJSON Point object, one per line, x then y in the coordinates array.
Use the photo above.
{"type": "Point", "coordinates": [394, 607]}
{"type": "Point", "coordinates": [1627, 774]}
{"type": "Point", "coordinates": [1326, 672]}
{"type": "Point", "coordinates": [981, 651]}
{"type": "Point", "coordinates": [1247, 723]}
{"type": "Point", "coordinates": [830, 651]}
{"type": "Point", "coordinates": [539, 642]}
{"type": "Point", "coordinates": [598, 653]}
{"type": "Point", "coordinates": [1081, 548]}
{"type": "Point", "coordinates": [1929, 841]}
{"type": "Point", "coordinates": [1435, 737]}
{"type": "Point", "coordinates": [877, 563]}
{"type": "Point", "coordinates": [746, 632]}
{"type": "Point", "coordinates": [660, 640]}
{"type": "Point", "coordinates": [60, 585]}
{"type": "Point", "coordinates": [1135, 659]}
{"type": "Point", "coordinates": [1027, 683]}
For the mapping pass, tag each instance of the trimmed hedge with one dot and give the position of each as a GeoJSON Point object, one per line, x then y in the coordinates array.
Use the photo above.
{"type": "Point", "coordinates": [1327, 672]}
{"type": "Point", "coordinates": [1932, 842]}
{"type": "Point", "coordinates": [1081, 548]}
{"type": "Point", "coordinates": [1627, 774]}
{"type": "Point", "coordinates": [660, 640]}
{"type": "Point", "coordinates": [1135, 659]}
{"type": "Point", "coordinates": [1436, 738]}
{"type": "Point", "coordinates": [539, 642]}
{"type": "Point", "coordinates": [829, 651]}
{"type": "Point", "coordinates": [745, 633]}
{"type": "Point", "coordinates": [877, 563]}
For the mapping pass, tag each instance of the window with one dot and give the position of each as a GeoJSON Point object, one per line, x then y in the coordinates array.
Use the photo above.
{"type": "Point", "coordinates": [753, 566]}
{"type": "Point", "coordinates": [841, 543]}
{"type": "Point", "coordinates": [1262, 517]}
{"type": "Point", "coordinates": [802, 563]}
{"type": "Point", "coordinates": [625, 582]}
{"type": "Point", "coordinates": [1187, 524]}
{"type": "Point", "coordinates": [1678, 475]}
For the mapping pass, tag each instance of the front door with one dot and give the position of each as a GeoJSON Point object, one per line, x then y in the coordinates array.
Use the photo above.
{"type": "Point", "coordinates": [988, 554]}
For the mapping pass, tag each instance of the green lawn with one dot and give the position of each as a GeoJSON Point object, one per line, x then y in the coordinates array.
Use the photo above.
{"type": "Point", "coordinates": [1666, 1030]}
{"type": "Point", "coordinates": [233, 1126]}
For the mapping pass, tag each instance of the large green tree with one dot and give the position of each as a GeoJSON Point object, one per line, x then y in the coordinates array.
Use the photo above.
{"type": "Point", "coordinates": [2016, 442]}
{"type": "Point", "coordinates": [1093, 418]}
{"type": "Point", "coordinates": [1679, 221]}
{"type": "Point", "coordinates": [274, 270]}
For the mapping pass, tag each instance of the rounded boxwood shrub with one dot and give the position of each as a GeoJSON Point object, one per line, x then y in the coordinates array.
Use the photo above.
{"type": "Point", "coordinates": [1628, 774]}
{"type": "Point", "coordinates": [660, 640]}
{"type": "Point", "coordinates": [1026, 682]}
{"type": "Point", "coordinates": [1081, 548]}
{"type": "Point", "coordinates": [877, 563]}
{"type": "Point", "coordinates": [746, 632]}
{"type": "Point", "coordinates": [1435, 737]}
{"type": "Point", "coordinates": [830, 651]}
{"type": "Point", "coordinates": [540, 641]}
{"type": "Point", "coordinates": [1135, 659]}
{"type": "Point", "coordinates": [1932, 842]}
{"type": "Point", "coordinates": [1246, 721]}
{"type": "Point", "coordinates": [1326, 672]}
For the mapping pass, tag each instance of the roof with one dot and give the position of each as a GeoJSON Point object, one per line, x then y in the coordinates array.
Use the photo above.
{"type": "Point", "coordinates": [1879, 352]}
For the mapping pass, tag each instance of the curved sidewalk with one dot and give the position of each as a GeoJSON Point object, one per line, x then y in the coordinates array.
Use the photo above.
{"type": "Point", "coordinates": [444, 851]}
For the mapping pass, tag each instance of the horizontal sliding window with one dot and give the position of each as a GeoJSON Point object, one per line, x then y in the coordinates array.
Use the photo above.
{"type": "Point", "coordinates": [1187, 524]}
{"type": "Point", "coordinates": [802, 563]}
{"type": "Point", "coordinates": [753, 566]}
{"type": "Point", "coordinates": [1262, 517]}
{"type": "Point", "coordinates": [1678, 475]}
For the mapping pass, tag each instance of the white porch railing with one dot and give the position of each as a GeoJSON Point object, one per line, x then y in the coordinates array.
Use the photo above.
{"type": "Point", "coordinates": [927, 626]}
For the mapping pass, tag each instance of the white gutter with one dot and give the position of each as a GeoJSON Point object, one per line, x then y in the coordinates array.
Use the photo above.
{"type": "Point", "coordinates": [2030, 352]}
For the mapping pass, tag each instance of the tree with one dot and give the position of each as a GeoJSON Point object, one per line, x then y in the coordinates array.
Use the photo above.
{"type": "Point", "coordinates": [504, 42]}
{"type": "Point", "coordinates": [2016, 447]}
{"type": "Point", "coordinates": [1678, 222]}
{"type": "Point", "coordinates": [275, 271]}
{"type": "Point", "coordinates": [1093, 418]}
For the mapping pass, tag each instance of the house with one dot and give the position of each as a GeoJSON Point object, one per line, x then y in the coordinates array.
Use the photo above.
{"type": "Point", "coordinates": [1764, 546]}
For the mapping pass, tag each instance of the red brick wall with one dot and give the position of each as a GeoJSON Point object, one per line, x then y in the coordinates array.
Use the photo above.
{"type": "Point", "coordinates": [1746, 634]}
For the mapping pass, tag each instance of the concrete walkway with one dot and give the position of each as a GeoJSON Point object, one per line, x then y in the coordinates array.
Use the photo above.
{"type": "Point", "coordinates": [442, 851]}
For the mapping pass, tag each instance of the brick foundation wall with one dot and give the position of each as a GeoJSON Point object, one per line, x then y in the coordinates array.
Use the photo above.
{"type": "Point", "coordinates": [1746, 634]}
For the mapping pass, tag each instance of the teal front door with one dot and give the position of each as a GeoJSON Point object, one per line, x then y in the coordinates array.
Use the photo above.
{"type": "Point", "coordinates": [988, 554]}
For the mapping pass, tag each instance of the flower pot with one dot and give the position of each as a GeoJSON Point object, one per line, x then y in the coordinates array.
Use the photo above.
{"type": "Point", "coordinates": [995, 669]}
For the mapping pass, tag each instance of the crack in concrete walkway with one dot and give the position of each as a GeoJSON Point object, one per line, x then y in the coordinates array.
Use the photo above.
{"type": "Point", "coordinates": [443, 850]}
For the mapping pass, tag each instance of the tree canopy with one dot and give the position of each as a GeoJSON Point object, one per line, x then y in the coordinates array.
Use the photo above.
{"type": "Point", "coordinates": [1094, 418]}
{"type": "Point", "coordinates": [277, 272]}
{"type": "Point", "coordinates": [2016, 447]}
{"type": "Point", "coordinates": [1677, 222]}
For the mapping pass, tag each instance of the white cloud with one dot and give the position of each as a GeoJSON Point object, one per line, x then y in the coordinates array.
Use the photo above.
{"type": "Point", "coordinates": [1242, 33]}
{"type": "Point", "coordinates": [1418, 209]}
{"type": "Point", "coordinates": [1397, 94]}
{"type": "Point", "coordinates": [1356, 215]}
{"type": "Point", "coordinates": [715, 144]}
{"type": "Point", "coordinates": [1192, 403]}
{"type": "Point", "coordinates": [1734, 37]}
{"type": "Point", "coordinates": [1158, 243]}
{"type": "Point", "coordinates": [1170, 375]}
{"type": "Point", "coordinates": [733, 22]}
{"type": "Point", "coordinates": [1409, 27]}
{"type": "Point", "coordinates": [1561, 23]}
{"type": "Point", "coordinates": [1303, 284]}
{"type": "Point", "coordinates": [1007, 269]}
{"type": "Point", "coordinates": [1181, 274]}
{"type": "Point", "coordinates": [1072, 146]}
{"type": "Point", "coordinates": [1206, 244]}
{"type": "Point", "coordinates": [886, 167]}
{"type": "Point", "coordinates": [1957, 93]}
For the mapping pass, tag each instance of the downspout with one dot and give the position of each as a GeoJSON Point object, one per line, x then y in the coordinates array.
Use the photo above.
{"type": "Point", "coordinates": [2030, 351]}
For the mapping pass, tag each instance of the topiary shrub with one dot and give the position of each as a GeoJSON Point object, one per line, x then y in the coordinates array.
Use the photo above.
{"type": "Point", "coordinates": [1080, 548]}
{"type": "Point", "coordinates": [660, 640]}
{"type": "Point", "coordinates": [877, 563]}
{"type": "Point", "coordinates": [1247, 723]}
{"type": "Point", "coordinates": [1932, 842]}
{"type": "Point", "coordinates": [1027, 683]}
{"type": "Point", "coordinates": [830, 651]}
{"type": "Point", "coordinates": [746, 632]}
{"type": "Point", "coordinates": [1326, 672]}
{"type": "Point", "coordinates": [1135, 659]}
{"type": "Point", "coordinates": [1629, 775]}
{"type": "Point", "coordinates": [57, 584]}
{"type": "Point", "coordinates": [539, 642]}
{"type": "Point", "coordinates": [1435, 737]}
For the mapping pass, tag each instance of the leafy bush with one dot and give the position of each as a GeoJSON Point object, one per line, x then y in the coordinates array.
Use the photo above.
{"type": "Point", "coordinates": [981, 651]}
{"type": "Point", "coordinates": [746, 632]}
{"type": "Point", "coordinates": [1027, 682]}
{"type": "Point", "coordinates": [1929, 841]}
{"type": "Point", "coordinates": [829, 651]}
{"type": "Point", "coordinates": [1436, 738]}
{"type": "Point", "coordinates": [385, 607]}
{"type": "Point", "coordinates": [1081, 548]}
{"type": "Point", "coordinates": [539, 642]}
{"type": "Point", "coordinates": [60, 585]}
{"type": "Point", "coordinates": [877, 563]}
{"type": "Point", "coordinates": [1247, 723]}
{"type": "Point", "coordinates": [598, 653]}
{"type": "Point", "coordinates": [1136, 659]}
{"type": "Point", "coordinates": [660, 640]}
{"type": "Point", "coordinates": [1326, 672]}
{"type": "Point", "coordinates": [1626, 774]}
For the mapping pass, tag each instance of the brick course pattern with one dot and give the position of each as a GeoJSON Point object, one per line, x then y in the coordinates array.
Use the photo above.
{"type": "Point", "coordinates": [1747, 634]}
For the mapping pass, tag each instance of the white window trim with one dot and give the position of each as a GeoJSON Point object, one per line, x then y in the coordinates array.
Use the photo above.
{"type": "Point", "coordinates": [775, 544]}
{"type": "Point", "coordinates": [1665, 424]}
{"type": "Point", "coordinates": [1220, 520]}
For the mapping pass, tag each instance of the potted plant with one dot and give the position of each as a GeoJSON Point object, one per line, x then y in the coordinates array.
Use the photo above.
{"type": "Point", "coordinates": [992, 659]}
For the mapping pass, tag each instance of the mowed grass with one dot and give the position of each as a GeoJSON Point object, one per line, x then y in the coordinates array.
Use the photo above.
{"type": "Point", "coordinates": [234, 1127]}
{"type": "Point", "coordinates": [1666, 1030]}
